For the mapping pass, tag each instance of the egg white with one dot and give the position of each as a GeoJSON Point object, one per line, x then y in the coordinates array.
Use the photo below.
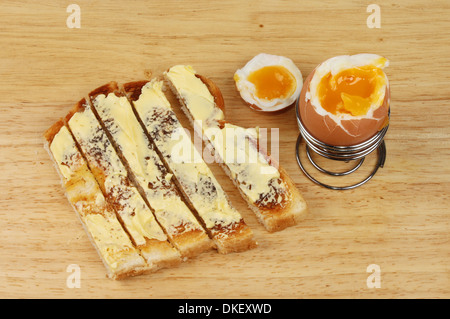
{"type": "Point", "coordinates": [248, 89]}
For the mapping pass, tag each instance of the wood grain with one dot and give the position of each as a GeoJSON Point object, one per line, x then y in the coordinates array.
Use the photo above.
{"type": "Point", "coordinates": [399, 220]}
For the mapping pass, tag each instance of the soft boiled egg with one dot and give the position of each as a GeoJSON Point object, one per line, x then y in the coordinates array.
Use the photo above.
{"type": "Point", "coordinates": [269, 82]}
{"type": "Point", "coordinates": [345, 100]}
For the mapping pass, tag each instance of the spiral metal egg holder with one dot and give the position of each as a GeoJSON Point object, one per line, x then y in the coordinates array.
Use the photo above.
{"type": "Point", "coordinates": [355, 153]}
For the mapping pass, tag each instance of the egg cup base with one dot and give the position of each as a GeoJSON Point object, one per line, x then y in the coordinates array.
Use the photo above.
{"type": "Point", "coordinates": [381, 152]}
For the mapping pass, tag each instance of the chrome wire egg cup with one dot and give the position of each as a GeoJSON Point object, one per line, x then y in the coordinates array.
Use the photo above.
{"type": "Point", "coordinates": [355, 153]}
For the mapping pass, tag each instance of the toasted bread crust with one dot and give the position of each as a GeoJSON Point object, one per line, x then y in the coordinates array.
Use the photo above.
{"type": "Point", "coordinates": [214, 90]}
{"type": "Point", "coordinates": [110, 87]}
{"type": "Point", "coordinates": [133, 89]}
{"type": "Point", "coordinates": [50, 133]}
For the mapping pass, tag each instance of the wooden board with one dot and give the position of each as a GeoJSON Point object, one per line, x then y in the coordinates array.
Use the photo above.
{"type": "Point", "coordinates": [398, 221]}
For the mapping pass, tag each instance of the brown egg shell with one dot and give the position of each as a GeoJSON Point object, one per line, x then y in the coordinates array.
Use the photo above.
{"type": "Point", "coordinates": [326, 130]}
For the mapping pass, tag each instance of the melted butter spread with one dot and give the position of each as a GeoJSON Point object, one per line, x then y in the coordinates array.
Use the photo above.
{"type": "Point", "coordinates": [85, 195]}
{"type": "Point", "coordinates": [117, 114]}
{"type": "Point", "coordinates": [65, 153]}
{"type": "Point", "coordinates": [136, 216]}
{"type": "Point", "coordinates": [111, 240]}
{"type": "Point", "coordinates": [194, 92]}
{"type": "Point", "coordinates": [194, 176]}
{"type": "Point", "coordinates": [237, 147]}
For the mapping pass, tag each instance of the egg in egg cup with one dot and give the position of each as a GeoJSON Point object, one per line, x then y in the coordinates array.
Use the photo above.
{"type": "Point", "coordinates": [343, 112]}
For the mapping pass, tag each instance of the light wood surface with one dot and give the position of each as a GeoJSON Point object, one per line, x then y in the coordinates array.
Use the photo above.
{"type": "Point", "coordinates": [398, 221]}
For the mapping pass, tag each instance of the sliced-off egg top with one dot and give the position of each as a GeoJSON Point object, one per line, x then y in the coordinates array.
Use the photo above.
{"type": "Point", "coordinates": [269, 82]}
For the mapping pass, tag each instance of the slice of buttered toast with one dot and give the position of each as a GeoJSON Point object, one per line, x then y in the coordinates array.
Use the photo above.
{"type": "Point", "coordinates": [262, 182]}
{"type": "Point", "coordinates": [200, 188]}
{"type": "Point", "coordinates": [112, 177]}
{"type": "Point", "coordinates": [120, 257]}
{"type": "Point", "coordinates": [147, 170]}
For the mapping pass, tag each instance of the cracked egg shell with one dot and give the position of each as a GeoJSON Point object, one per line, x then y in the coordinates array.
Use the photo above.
{"type": "Point", "coordinates": [342, 129]}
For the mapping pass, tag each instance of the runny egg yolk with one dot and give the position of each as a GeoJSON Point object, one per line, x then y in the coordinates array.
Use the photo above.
{"type": "Point", "coordinates": [272, 82]}
{"type": "Point", "coordinates": [352, 91]}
